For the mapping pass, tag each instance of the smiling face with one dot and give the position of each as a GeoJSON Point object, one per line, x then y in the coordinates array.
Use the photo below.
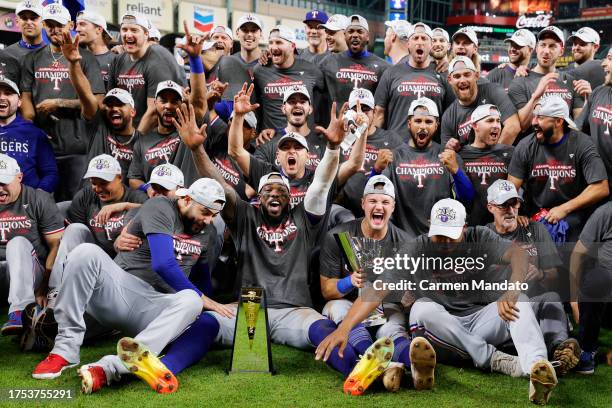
{"type": "Point", "coordinates": [118, 114]}
{"type": "Point", "coordinates": [377, 209]}
{"type": "Point", "coordinates": [249, 35]}
{"type": "Point", "coordinates": [274, 198]}
{"type": "Point", "coordinates": [166, 104]}
{"type": "Point", "coordinates": [315, 35]}
{"type": "Point", "coordinates": [10, 192]}
{"type": "Point", "coordinates": [55, 31]}
{"type": "Point", "coordinates": [439, 47]}
{"type": "Point", "coordinates": [582, 51]}
{"type": "Point", "coordinates": [133, 37]}
{"type": "Point", "coordinates": [88, 32]}
{"type": "Point", "coordinates": [336, 40]}
{"type": "Point", "coordinates": [518, 55]}
{"type": "Point", "coordinates": [548, 50]}
{"type": "Point", "coordinates": [606, 63]}
{"type": "Point", "coordinates": [223, 43]}
{"type": "Point", "coordinates": [292, 157]}
{"type": "Point", "coordinates": [357, 39]}
{"type": "Point", "coordinates": [544, 127]}
{"type": "Point", "coordinates": [297, 109]}
{"type": "Point", "coordinates": [30, 25]}
{"type": "Point", "coordinates": [464, 84]}
{"type": "Point", "coordinates": [488, 130]}
{"type": "Point", "coordinates": [462, 45]}
{"type": "Point", "coordinates": [107, 190]}
{"type": "Point", "coordinates": [281, 50]}
{"type": "Point", "coordinates": [419, 46]}
{"type": "Point", "coordinates": [9, 103]}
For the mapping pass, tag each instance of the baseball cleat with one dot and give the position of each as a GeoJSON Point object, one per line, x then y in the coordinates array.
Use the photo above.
{"type": "Point", "coordinates": [566, 356]}
{"type": "Point", "coordinates": [39, 328]}
{"type": "Point", "coordinates": [93, 378]}
{"type": "Point", "coordinates": [371, 365]}
{"type": "Point", "coordinates": [392, 376]}
{"type": "Point", "coordinates": [506, 364]}
{"type": "Point", "coordinates": [586, 365]}
{"type": "Point", "coordinates": [51, 367]}
{"type": "Point", "coordinates": [14, 326]}
{"type": "Point", "coordinates": [143, 363]}
{"type": "Point", "coordinates": [422, 363]}
{"type": "Point", "coordinates": [542, 380]}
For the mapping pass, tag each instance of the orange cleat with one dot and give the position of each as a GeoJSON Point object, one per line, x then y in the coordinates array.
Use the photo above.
{"type": "Point", "coordinates": [371, 365]}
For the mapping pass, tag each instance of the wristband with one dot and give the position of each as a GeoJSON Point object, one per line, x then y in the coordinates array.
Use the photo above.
{"type": "Point", "coordinates": [195, 65]}
{"type": "Point", "coordinates": [144, 187]}
{"type": "Point", "coordinates": [344, 285]}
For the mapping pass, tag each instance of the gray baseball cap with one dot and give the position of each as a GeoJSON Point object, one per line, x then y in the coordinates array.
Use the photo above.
{"type": "Point", "coordinates": [483, 111]}
{"type": "Point", "coordinates": [10, 84]}
{"type": "Point", "coordinates": [273, 178]}
{"type": "Point", "coordinates": [555, 107]}
{"type": "Point", "coordinates": [293, 136]}
{"type": "Point", "coordinates": [205, 191]}
{"type": "Point", "coordinates": [168, 176]}
{"type": "Point", "coordinates": [501, 191]}
{"type": "Point", "coordinates": [379, 185]}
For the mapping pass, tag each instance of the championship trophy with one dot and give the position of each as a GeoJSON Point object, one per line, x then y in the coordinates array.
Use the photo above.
{"type": "Point", "coordinates": [251, 351]}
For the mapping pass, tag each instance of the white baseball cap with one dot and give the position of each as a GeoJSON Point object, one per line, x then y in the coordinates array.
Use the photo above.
{"type": "Point", "coordinates": [9, 168]}
{"type": "Point", "coordinates": [426, 29]}
{"type": "Point", "coordinates": [205, 191]}
{"type": "Point", "coordinates": [484, 111]}
{"type": "Point", "coordinates": [250, 18]}
{"type": "Point", "coordinates": [10, 84]}
{"type": "Point", "coordinates": [206, 45]}
{"type": "Point", "coordinates": [249, 118]}
{"type": "Point", "coordinates": [295, 89]}
{"type": "Point", "coordinates": [120, 94]}
{"type": "Point", "coordinates": [364, 96]}
{"type": "Point", "coordinates": [555, 107]}
{"type": "Point", "coordinates": [273, 178]}
{"type": "Point", "coordinates": [423, 102]}
{"type": "Point", "coordinates": [555, 31]}
{"type": "Point", "coordinates": [609, 51]}
{"type": "Point", "coordinates": [223, 30]}
{"type": "Point", "coordinates": [56, 12]}
{"type": "Point", "coordinates": [138, 19]}
{"type": "Point", "coordinates": [358, 21]}
{"type": "Point", "coordinates": [168, 176]}
{"type": "Point", "coordinates": [154, 32]}
{"type": "Point", "coordinates": [447, 218]}
{"type": "Point", "coordinates": [283, 32]}
{"type": "Point", "coordinates": [103, 166]}
{"type": "Point", "coordinates": [30, 5]}
{"type": "Point", "coordinates": [586, 34]}
{"type": "Point", "coordinates": [93, 18]}
{"type": "Point", "coordinates": [293, 136]}
{"type": "Point", "coordinates": [440, 32]}
{"type": "Point", "coordinates": [379, 184]}
{"type": "Point", "coordinates": [163, 85]}
{"type": "Point", "coordinates": [401, 28]}
{"type": "Point", "coordinates": [452, 66]}
{"type": "Point", "coordinates": [337, 22]}
{"type": "Point", "coordinates": [523, 38]}
{"type": "Point", "coordinates": [501, 191]}
{"type": "Point", "coordinates": [469, 33]}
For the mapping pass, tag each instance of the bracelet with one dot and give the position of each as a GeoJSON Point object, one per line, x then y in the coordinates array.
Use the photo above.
{"type": "Point", "coordinates": [144, 187]}
{"type": "Point", "coordinates": [195, 65]}
{"type": "Point", "coordinates": [344, 285]}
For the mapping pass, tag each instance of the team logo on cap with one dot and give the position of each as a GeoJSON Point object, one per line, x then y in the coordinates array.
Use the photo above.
{"type": "Point", "coordinates": [28, 4]}
{"type": "Point", "coordinates": [446, 214]}
{"type": "Point", "coordinates": [3, 165]}
{"type": "Point", "coordinates": [101, 164]}
{"type": "Point", "coordinates": [505, 186]}
{"type": "Point", "coordinates": [54, 8]}
{"type": "Point", "coordinates": [164, 171]}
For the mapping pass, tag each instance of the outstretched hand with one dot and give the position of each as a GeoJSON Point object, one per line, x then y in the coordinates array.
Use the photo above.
{"type": "Point", "coordinates": [242, 101]}
{"type": "Point", "coordinates": [187, 127]}
{"type": "Point", "coordinates": [337, 126]}
{"type": "Point", "coordinates": [70, 48]}
{"type": "Point", "coordinates": [193, 43]}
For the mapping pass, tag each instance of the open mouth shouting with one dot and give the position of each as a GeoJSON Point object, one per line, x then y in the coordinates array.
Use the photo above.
{"type": "Point", "coordinates": [4, 196]}
{"type": "Point", "coordinates": [378, 218]}
{"type": "Point", "coordinates": [422, 137]}
{"type": "Point", "coordinates": [4, 106]}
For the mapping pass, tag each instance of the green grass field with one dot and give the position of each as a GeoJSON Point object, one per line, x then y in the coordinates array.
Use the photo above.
{"type": "Point", "coordinates": [301, 382]}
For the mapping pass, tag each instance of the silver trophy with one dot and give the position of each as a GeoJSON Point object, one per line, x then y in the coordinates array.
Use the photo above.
{"type": "Point", "coordinates": [366, 250]}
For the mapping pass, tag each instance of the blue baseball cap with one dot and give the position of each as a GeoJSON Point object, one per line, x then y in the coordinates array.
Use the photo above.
{"type": "Point", "coordinates": [316, 15]}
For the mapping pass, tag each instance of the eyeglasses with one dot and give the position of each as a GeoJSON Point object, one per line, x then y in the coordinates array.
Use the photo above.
{"type": "Point", "coordinates": [513, 202]}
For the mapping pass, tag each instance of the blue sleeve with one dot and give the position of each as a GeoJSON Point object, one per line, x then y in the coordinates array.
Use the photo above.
{"type": "Point", "coordinates": [463, 187]}
{"type": "Point", "coordinates": [46, 167]}
{"type": "Point", "coordinates": [224, 109]}
{"type": "Point", "coordinates": [200, 277]}
{"type": "Point", "coordinates": [165, 265]}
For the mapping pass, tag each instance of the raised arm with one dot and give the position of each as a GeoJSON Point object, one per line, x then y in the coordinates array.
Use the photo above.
{"type": "Point", "coordinates": [235, 142]}
{"type": "Point", "coordinates": [357, 156]}
{"type": "Point", "coordinates": [197, 79]}
{"type": "Point", "coordinates": [88, 101]}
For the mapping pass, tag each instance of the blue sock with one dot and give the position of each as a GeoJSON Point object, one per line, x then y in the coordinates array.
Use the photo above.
{"type": "Point", "coordinates": [191, 346]}
{"type": "Point", "coordinates": [360, 339]}
{"type": "Point", "coordinates": [401, 352]}
{"type": "Point", "coordinates": [318, 331]}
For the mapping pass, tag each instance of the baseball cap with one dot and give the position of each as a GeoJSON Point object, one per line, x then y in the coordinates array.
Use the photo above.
{"type": "Point", "coordinates": [555, 31]}
{"type": "Point", "coordinates": [120, 94]}
{"type": "Point", "coordinates": [452, 66]}
{"type": "Point", "coordinates": [316, 15]}
{"type": "Point", "coordinates": [30, 5]}
{"type": "Point", "coordinates": [283, 32]}
{"type": "Point", "coordinates": [168, 176]}
{"type": "Point", "coordinates": [358, 21]}
{"type": "Point", "coordinates": [501, 191]}
{"type": "Point", "coordinates": [555, 107]}
{"type": "Point", "coordinates": [586, 34]}
{"type": "Point", "coordinates": [136, 18]}
{"type": "Point", "coordinates": [56, 12]}
{"type": "Point", "coordinates": [425, 27]}
{"type": "Point", "coordinates": [295, 89]}
{"type": "Point", "coordinates": [337, 22]}
{"type": "Point", "coordinates": [447, 218]}
{"type": "Point", "coordinates": [223, 30]}
{"type": "Point", "coordinates": [103, 166]}
{"type": "Point", "coordinates": [205, 191]}
{"type": "Point", "coordinates": [273, 178]}
{"type": "Point", "coordinates": [432, 108]}
{"type": "Point", "coordinates": [207, 45]}
{"type": "Point", "coordinates": [469, 33]}
{"type": "Point", "coordinates": [373, 186]}
{"type": "Point", "coordinates": [523, 38]}
{"type": "Point", "coordinates": [9, 168]}
{"type": "Point", "coordinates": [249, 118]}
{"type": "Point", "coordinates": [440, 32]}
{"type": "Point", "coordinates": [364, 96]}
{"type": "Point", "coordinates": [401, 28]}
{"type": "Point", "coordinates": [293, 136]}
{"type": "Point", "coordinates": [93, 18]}
{"type": "Point", "coordinates": [10, 84]}
{"type": "Point", "coordinates": [483, 111]}
{"type": "Point", "coordinates": [163, 85]}
{"type": "Point", "coordinates": [250, 18]}
{"type": "Point", "coordinates": [154, 32]}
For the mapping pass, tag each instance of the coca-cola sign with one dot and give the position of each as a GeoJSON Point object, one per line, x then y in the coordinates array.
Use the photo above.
{"type": "Point", "coordinates": [537, 21]}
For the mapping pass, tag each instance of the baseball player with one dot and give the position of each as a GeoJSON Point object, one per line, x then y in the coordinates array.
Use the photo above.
{"type": "Point", "coordinates": [315, 35]}
{"type": "Point", "coordinates": [440, 47]}
{"type": "Point", "coordinates": [585, 45]}
{"type": "Point", "coordinates": [520, 47]}
{"type": "Point", "coordinates": [29, 20]}
{"type": "Point", "coordinates": [395, 41]}
{"type": "Point", "coordinates": [465, 44]}
{"type": "Point", "coordinates": [335, 29]}
{"type": "Point", "coordinates": [93, 34]}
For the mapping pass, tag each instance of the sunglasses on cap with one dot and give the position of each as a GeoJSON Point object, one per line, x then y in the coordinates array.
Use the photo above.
{"type": "Point", "coordinates": [513, 202]}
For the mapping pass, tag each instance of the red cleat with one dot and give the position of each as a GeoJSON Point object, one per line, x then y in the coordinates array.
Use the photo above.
{"type": "Point", "coordinates": [93, 378]}
{"type": "Point", "coordinates": [51, 367]}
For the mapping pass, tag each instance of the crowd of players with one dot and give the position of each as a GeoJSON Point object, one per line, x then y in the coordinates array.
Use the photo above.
{"type": "Point", "coordinates": [178, 183]}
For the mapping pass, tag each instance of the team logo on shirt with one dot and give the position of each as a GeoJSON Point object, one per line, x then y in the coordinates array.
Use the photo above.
{"type": "Point", "coordinates": [277, 89]}
{"type": "Point", "coordinates": [55, 74]}
{"type": "Point", "coordinates": [12, 225]}
{"type": "Point", "coordinates": [277, 237]}
{"type": "Point", "coordinates": [356, 73]}
{"type": "Point", "coordinates": [602, 115]}
{"type": "Point", "coordinates": [554, 171]}
{"type": "Point", "coordinates": [484, 168]}
{"type": "Point", "coordinates": [420, 87]}
{"type": "Point", "coordinates": [227, 170]}
{"type": "Point", "coordinates": [419, 170]}
{"type": "Point", "coordinates": [185, 247]}
{"type": "Point", "coordinates": [111, 228]}
{"type": "Point", "coordinates": [162, 151]}
{"type": "Point", "coordinates": [119, 151]}
{"type": "Point", "coordinates": [130, 80]}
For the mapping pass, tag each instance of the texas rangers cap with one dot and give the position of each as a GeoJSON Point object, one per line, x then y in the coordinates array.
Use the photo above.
{"type": "Point", "coordinates": [250, 18]}
{"type": "Point", "coordinates": [555, 107]}
{"type": "Point", "coordinates": [467, 64]}
{"type": "Point", "coordinates": [9, 168]}
{"type": "Point", "coordinates": [283, 32]}
{"type": "Point", "coordinates": [447, 218]}
{"type": "Point", "coordinates": [10, 84]}
{"type": "Point", "coordinates": [249, 118]}
{"type": "Point", "coordinates": [440, 32]}
{"type": "Point", "coordinates": [468, 32]}
{"type": "Point", "coordinates": [336, 22]}
{"type": "Point", "coordinates": [163, 85]}
{"type": "Point", "coordinates": [554, 31]}
{"type": "Point", "coordinates": [168, 176]}
{"type": "Point", "coordinates": [222, 30]}
{"type": "Point", "coordinates": [484, 111]}
{"type": "Point", "coordinates": [205, 191]}
{"type": "Point", "coordinates": [136, 18]}
{"type": "Point", "coordinates": [425, 30]}
{"type": "Point", "coordinates": [273, 178]}
{"type": "Point", "coordinates": [154, 33]}
{"type": "Point", "coordinates": [586, 34]}
{"type": "Point", "coordinates": [295, 89]}
{"type": "Point", "coordinates": [379, 185]}
{"type": "Point", "coordinates": [316, 15]}
{"type": "Point", "coordinates": [56, 12]}
{"type": "Point", "coordinates": [30, 5]}
{"type": "Point", "coordinates": [364, 96]}
{"type": "Point", "coordinates": [401, 28]}
{"type": "Point", "coordinates": [121, 95]}
{"type": "Point", "coordinates": [523, 38]}
{"type": "Point", "coordinates": [423, 102]}
{"type": "Point", "coordinates": [501, 191]}
{"type": "Point", "coordinates": [358, 21]}
{"type": "Point", "coordinates": [293, 136]}
{"type": "Point", "coordinates": [103, 166]}
{"type": "Point", "coordinates": [93, 18]}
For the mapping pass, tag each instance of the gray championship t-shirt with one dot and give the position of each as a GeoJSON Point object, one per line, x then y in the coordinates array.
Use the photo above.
{"type": "Point", "coordinates": [235, 71]}
{"type": "Point", "coordinates": [522, 88]}
{"type": "Point", "coordinates": [309, 56]}
{"type": "Point", "coordinates": [596, 236]}
{"type": "Point", "coordinates": [316, 148]}
{"type": "Point", "coordinates": [502, 76]}
{"type": "Point", "coordinates": [105, 61]}
{"type": "Point", "coordinates": [18, 52]}
{"type": "Point", "coordinates": [10, 67]}
{"type": "Point", "coordinates": [150, 151]}
{"type": "Point", "coordinates": [591, 71]}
